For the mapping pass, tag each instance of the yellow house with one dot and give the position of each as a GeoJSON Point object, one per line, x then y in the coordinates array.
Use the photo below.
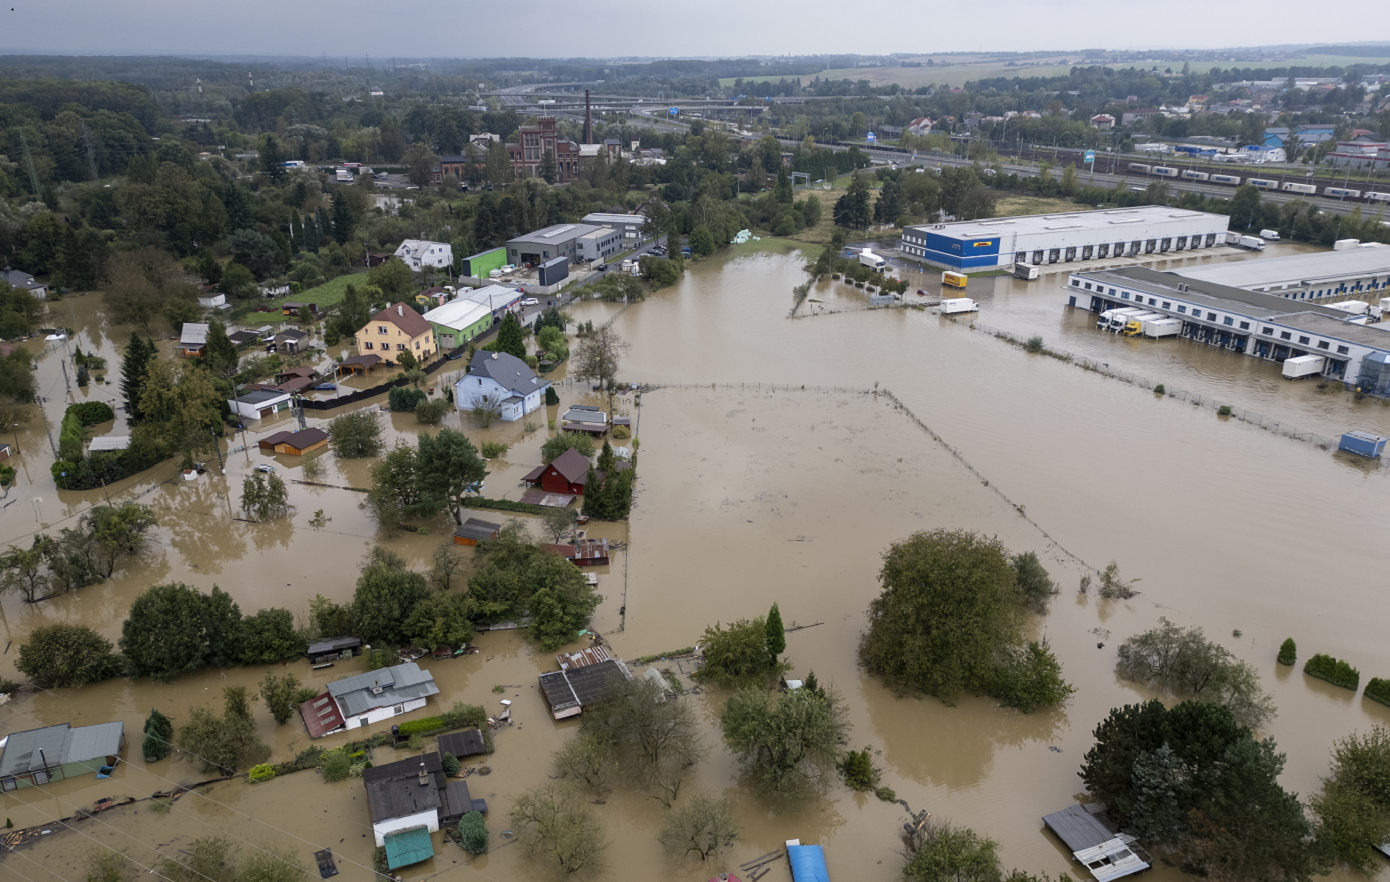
{"type": "Point", "coordinates": [397, 328]}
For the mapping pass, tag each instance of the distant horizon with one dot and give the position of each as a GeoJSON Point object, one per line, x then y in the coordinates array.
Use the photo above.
{"type": "Point", "coordinates": [433, 29]}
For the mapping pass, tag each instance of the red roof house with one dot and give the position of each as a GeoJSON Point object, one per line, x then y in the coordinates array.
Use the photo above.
{"type": "Point", "coordinates": [566, 474]}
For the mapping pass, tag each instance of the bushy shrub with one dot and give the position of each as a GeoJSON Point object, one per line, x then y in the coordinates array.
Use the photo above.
{"type": "Point", "coordinates": [1378, 689]}
{"type": "Point", "coordinates": [492, 449]}
{"type": "Point", "coordinates": [558, 444]}
{"type": "Point", "coordinates": [450, 764]}
{"type": "Point", "coordinates": [859, 771]}
{"type": "Point", "coordinates": [1334, 671]}
{"type": "Point", "coordinates": [262, 772]}
{"type": "Point", "coordinates": [336, 766]}
{"type": "Point", "coordinates": [89, 413]}
{"type": "Point", "coordinates": [464, 716]}
{"type": "Point", "coordinates": [404, 398]}
{"type": "Point", "coordinates": [431, 412]}
{"type": "Point", "coordinates": [421, 727]}
{"type": "Point", "coordinates": [473, 833]}
{"type": "Point", "coordinates": [1034, 344]}
{"type": "Point", "coordinates": [551, 396]}
{"type": "Point", "coordinates": [1288, 652]}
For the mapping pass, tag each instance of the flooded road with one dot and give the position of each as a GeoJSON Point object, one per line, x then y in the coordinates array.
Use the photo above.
{"type": "Point", "coordinates": [747, 496]}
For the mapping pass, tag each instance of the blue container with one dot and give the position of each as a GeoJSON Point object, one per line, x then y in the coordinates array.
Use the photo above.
{"type": "Point", "coordinates": [1363, 444]}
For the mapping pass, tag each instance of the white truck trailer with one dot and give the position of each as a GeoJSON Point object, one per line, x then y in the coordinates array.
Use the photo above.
{"type": "Point", "coordinates": [1161, 327]}
{"type": "Point", "coordinates": [1359, 307]}
{"type": "Point", "coordinates": [1120, 322]}
{"type": "Point", "coordinates": [956, 305]}
{"type": "Point", "coordinates": [1302, 366]}
{"type": "Point", "coordinates": [871, 260]}
{"type": "Point", "coordinates": [1026, 271]}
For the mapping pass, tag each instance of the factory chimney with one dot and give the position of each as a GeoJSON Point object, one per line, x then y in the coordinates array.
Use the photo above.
{"type": "Point", "coordinates": [588, 120]}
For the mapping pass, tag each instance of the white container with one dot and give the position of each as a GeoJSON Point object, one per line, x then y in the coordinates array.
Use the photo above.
{"type": "Point", "coordinates": [1166, 327]}
{"type": "Point", "coordinates": [1345, 244]}
{"type": "Point", "coordinates": [1303, 366]}
{"type": "Point", "coordinates": [956, 305]}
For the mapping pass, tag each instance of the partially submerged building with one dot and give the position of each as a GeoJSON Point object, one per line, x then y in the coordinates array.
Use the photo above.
{"type": "Point", "coordinates": [408, 800]}
{"type": "Point", "coordinates": [469, 742]}
{"type": "Point", "coordinates": [475, 530]}
{"type": "Point", "coordinates": [570, 692]}
{"type": "Point", "coordinates": [333, 649]}
{"type": "Point", "coordinates": [367, 698]}
{"type": "Point", "coordinates": [1105, 853]}
{"type": "Point", "coordinates": [41, 756]}
{"type": "Point", "coordinates": [504, 381]}
{"type": "Point", "coordinates": [565, 474]}
{"type": "Point", "coordinates": [1360, 271]}
{"type": "Point", "coordinates": [1261, 325]}
{"type": "Point", "coordinates": [295, 443]}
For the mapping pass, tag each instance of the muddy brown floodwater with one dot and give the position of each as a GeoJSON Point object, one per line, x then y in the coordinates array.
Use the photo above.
{"type": "Point", "coordinates": [748, 495]}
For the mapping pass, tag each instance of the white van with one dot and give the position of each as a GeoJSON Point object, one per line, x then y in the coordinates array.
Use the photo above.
{"type": "Point", "coordinates": [1269, 235]}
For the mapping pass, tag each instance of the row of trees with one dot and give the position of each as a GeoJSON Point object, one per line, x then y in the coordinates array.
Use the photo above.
{"type": "Point", "coordinates": [84, 554]}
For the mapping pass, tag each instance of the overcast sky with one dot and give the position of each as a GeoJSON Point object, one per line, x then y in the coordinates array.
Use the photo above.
{"type": "Point", "coordinates": [608, 28]}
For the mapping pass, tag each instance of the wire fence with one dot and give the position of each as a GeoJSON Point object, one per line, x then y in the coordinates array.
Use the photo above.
{"type": "Point", "coordinates": [1221, 407]}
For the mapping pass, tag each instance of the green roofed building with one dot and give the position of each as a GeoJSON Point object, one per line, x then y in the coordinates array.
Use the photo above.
{"type": "Point", "coordinates": [408, 847]}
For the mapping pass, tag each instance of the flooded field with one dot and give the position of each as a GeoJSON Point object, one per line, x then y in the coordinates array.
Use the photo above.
{"type": "Point", "coordinates": [747, 496]}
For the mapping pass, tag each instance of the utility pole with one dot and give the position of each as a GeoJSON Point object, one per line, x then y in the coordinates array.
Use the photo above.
{"type": "Point", "coordinates": [66, 383]}
{"type": "Point", "coordinates": [91, 152]}
{"type": "Point", "coordinates": [218, 447]}
{"type": "Point", "coordinates": [29, 161]}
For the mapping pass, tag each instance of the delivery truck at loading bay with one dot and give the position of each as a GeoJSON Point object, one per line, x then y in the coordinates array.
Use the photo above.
{"type": "Point", "coordinates": [1301, 366]}
{"type": "Point", "coordinates": [1106, 320]}
{"type": "Point", "coordinates": [1119, 326]}
{"type": "Point", "coordinates": [1162, 326]}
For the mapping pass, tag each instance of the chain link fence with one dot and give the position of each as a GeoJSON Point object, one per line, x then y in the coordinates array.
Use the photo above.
{"type": "Point", "coordinates": [1222, 408]}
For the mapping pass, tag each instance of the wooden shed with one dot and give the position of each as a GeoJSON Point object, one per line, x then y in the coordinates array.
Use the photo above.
{"type": "Point", "coordinates": [473, 531]}
{"type": "Point", "coordinates": [295, 443]}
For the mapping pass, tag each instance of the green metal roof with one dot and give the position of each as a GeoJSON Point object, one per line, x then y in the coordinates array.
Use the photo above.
{"type": "Point", "coordinates": [408, 847]}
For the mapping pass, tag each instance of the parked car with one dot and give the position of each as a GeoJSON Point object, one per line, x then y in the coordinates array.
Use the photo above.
{"type": "Point", "coordinates": [601, 267]}
{"type": "Point", "coordinates": [530, 301]}
{"type": "Point", "coordinates": [266, 469]}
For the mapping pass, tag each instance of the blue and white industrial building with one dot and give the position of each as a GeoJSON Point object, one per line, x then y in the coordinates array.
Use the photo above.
{"type": "Point", "coordinates": [1043, 239]}
{"type": "Point", "coordinates": [1262, 325]}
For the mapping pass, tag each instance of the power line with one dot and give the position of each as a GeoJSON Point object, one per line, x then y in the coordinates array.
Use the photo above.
{"type": "Point", "coordinates": [37, 864]}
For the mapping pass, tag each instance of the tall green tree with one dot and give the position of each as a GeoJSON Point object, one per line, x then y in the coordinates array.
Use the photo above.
{"type": "Point", "coordinates": [776, 633]}
{"type": "Point", "coordinates": [354, 312]}
{"type": "Point", "coordinates": [159, 737]}
{"type": "Point", "coordinates": [510, 338]}
{"type": "Point", "coordinates": [387, 593]}
{"type": "Point", "coordinates": [852, 209]}
{"type": "Point", "coordinates": [138, 355]}
{"type": "Point", "coordinates": [788, 740]}
{"type": "Point", "coordinates": [1353, 806]}
{"type": "Point", "coordinates": [342, 218]}
{"type": "Point", "coordinates": [221, 355]}
{"type": "Point", "coordinates": [444, 465]}
{"type": "Point", "coordinates": [59, 656]}
{"type": "Point", "coordinates": [174, 629]}
{"type": "Point", "coordinates": [782, 192]}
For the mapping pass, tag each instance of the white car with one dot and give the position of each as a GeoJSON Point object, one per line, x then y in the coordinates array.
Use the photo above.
{"type": "Point", "coordinates": [265, 469]}
{"type": "Point", "coordinates": [530, 301]}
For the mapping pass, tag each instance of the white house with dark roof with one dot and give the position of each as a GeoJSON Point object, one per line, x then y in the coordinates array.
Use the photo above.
{"type": "Point", "coordinates": [503, 379]}
{"type": "Point", "coordinates": [368, 698]}
{"type": "Point", "coordinates": [420, 253]}
{"type": "Point", "coordinates": [25, 282]}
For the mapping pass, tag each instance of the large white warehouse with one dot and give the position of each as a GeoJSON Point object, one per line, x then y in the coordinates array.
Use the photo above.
{"type": "Point", "coordinates": [1063, 238]}
{"type": "Point", "coordinates": [1362, 272]}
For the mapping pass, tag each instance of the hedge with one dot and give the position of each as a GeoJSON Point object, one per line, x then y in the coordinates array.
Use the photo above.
{"type": "Point", "coordinates": [1378, 689]}
{"type": "Point", "coordinates": [1334, 671]}
{"type": "Point", "coordinates": [503, 505]}
{"type": "Point", "coordinates": [89, 413]}
{"type": "Point", "coordinates": [1288, 653]}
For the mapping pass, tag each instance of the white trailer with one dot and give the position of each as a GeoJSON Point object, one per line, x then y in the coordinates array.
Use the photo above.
{"type": "Point", "coordinates": [955, 305]}
{"type": "Point", "coordinates": [1360, 307]}
{"type": "Point", "coordinates": [871, 260]}
{"type": "Point", "coordinates": [1254, 243]}
{"type": "Point", "coordinates": [1164, 327]}
{"type": "Point", "coordinates": [1303, 366]}
{"type": "Point", "coordinates": [1025, 271]}
{"type": "Point", "coordinates": [1130, 324]}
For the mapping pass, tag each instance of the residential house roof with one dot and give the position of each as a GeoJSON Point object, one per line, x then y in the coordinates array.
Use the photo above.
{"type": "Point", "coordinates": [508, 371]}
{"type": "Point", "coordinates": [372, 689]}
{"type": "Point", "coordinates": [298, 440]}
{"type": "Point", "coordinates": [572, 465]}
{"type": "Point", "coordinates": [240, 337]}
{"type": "Point", "coordinates": [262, 396]}
{"type": "Point", "coordinates": [418, 247]}
{"type": "Point", "coordinates": [321, 715]}
{"type": "Point", "coordinates": [194, 334]}
{"type": "Point", "coordinates": [292, 335]}
{"type": "Point", "coordinates": [33, 749]}
{"type": "Point", "coordinates": [20, 279]}
{"type": "Point", "coordinates": [473, 528]}
{"type": "Point", "coordinates": [579, 414]}
{"type": "Point", "coordinates": [335, 644]}
{"type": "Point", "coordinates": [394, 791]}
{"type": "Point", "coordinates": [296, 372]}
{"type": "Point", "coordinates": [403, 317]}
{"type": "Point", "coordinates": [366, 361]}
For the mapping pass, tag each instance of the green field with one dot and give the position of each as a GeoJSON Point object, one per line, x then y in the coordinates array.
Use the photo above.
{"type": "Point", "coordinates": [327, 295]}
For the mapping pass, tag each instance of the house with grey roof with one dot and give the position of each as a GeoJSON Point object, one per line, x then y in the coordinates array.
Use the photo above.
{"type": "Point", "coordinates": [39, 756]}
{"type": "Point", "coordinates": [368, 698]}
{"type": "Point", "coordinates": [503, 380]}
{"type": "Point", "coordinates": [193, 340]}
{"type": "Point", "coordinates": [412, 793]}
{"type": "Point", "coordinates": [257, 404]}
{"type": "Point", "coordinates": [25, 282]}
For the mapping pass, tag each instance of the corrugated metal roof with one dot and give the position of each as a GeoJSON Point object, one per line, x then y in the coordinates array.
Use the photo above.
{"type": "Point", "coordinates": [1098, 220]}
{"type": "Point", "coordinates": [21, 753]}
{"type": "Point", "coordinates": [90, 742]}
{"type": "Point", "coordinates": [477, 529]}
{"type": "Point", "coordinates": [335, 644]}
{"type": "Point", "coordinates": [408, 847]}
{"type": "Point", "coordinates": [1077, 828]}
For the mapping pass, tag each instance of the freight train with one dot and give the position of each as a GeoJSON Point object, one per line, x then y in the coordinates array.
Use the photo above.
{"type": "Point", "coordinates": [1342, 193]}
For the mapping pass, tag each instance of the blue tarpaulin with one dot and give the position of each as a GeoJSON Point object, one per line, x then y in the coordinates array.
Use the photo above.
{"type": "Point", "coordinates": [808, 863]}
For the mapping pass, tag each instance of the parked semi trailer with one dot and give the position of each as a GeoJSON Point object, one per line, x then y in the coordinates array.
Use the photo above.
{"type": "Point", "coordinates": [1301, 366]}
